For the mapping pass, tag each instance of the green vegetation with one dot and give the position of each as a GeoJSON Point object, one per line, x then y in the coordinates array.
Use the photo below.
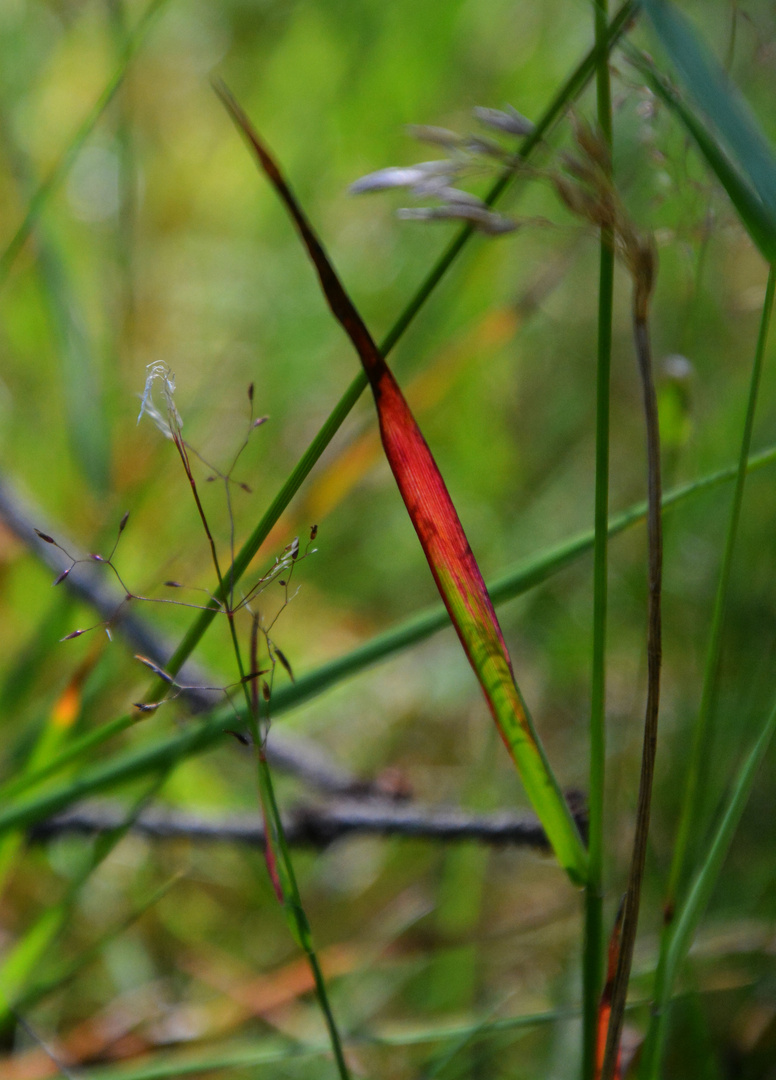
{"type": "Point", "coordinates": [273, 653]}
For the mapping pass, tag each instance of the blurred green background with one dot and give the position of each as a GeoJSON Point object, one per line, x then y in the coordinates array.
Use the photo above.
{"type": "Point", "coordinates": [162, 243]}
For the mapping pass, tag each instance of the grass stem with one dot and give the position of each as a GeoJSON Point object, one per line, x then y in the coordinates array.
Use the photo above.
{"type": "Point", "coordinates": [592, 962]}
{"type": "Point", "coordinates": [643, 266]}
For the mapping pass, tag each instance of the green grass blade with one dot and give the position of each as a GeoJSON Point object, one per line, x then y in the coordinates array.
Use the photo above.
{"type": "Point", "coordinates": [693, 908]}
{"type": "Point", "coordinates": [690, 813]}
{"type": "Point", "coordinates": [592, 949]}
{"type": "Point", "coordinates": [716, 96]}
{"type": "Point", "coordinates": [61, 168]}
{"type": "Point", "coordinates": [79, 748]}
{"type": "Point", "coordinates": [196, 739]}
{"type": "Point", "coordinates": [80, 375]}
{"type": "Point", "coordinates": [410, 632]}
{"type": "Point", "coordinates": [25, 957]}
{"type": "Point", "coordinates": [575, 83]}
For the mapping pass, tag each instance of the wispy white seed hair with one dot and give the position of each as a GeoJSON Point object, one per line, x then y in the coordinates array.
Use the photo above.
{"type": "Point", "coordinates": [511, 121]}
{"type": "Point", "coordinates": [399, 176]}
{"type": "Point", "coordinates": [159, 372]}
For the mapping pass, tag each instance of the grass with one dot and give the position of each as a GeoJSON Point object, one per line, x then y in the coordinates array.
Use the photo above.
{"type": "Point", "coordinates": [533, 448]}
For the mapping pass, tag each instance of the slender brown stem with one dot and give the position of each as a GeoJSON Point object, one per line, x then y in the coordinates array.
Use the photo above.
{"type": "Point", "coordinates": [643, 267]}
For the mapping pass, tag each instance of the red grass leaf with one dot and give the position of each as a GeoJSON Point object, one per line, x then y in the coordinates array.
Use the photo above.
{"type": "Point", "coordinates": [441, 535]}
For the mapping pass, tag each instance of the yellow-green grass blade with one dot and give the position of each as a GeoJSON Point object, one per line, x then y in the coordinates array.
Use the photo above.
{"type": "Point", "coordinates": [63, 164]}
{"type": "Point", "coordinates": [691, 911]}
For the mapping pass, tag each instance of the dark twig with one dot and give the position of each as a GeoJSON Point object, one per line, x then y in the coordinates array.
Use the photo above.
{"type": "Point", "coordinates": [87, 582]}
{"type": "Point", "coordinates": [642, 259]}
{"type": "Point", "coordinates": [311, 825]}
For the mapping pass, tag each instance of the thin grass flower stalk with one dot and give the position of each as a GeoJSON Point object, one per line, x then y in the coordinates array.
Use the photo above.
{"type": "Point", "coordinates": [277, 851]}
{"type": "Point", "coordinates": [642, 258]}
{"type": "Point", "coordinates": [586, 189]}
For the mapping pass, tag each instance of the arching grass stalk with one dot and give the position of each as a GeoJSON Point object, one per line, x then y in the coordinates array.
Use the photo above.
{"type": "Point", "coordinates": [592, 960]}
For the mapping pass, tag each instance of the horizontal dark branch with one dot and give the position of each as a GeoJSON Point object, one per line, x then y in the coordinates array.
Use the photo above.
{"type": "Point", "coordinates": [310, 826]}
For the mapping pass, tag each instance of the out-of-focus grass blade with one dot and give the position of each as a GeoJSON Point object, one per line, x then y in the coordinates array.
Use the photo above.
{"type": "Point", "coordinates": [173, 1065]}
{"type": "Point", "coordinates": [757, 218]}
{"type": "Point", "coordinates": [62, 973]}
{"type": "Point", "coordinates": [61, 168]}
{"type": "Point", "coordinates": [55, 731]}
{"type": "Point", "coordinates": [720, 101]}
{"type": "Point", "coordinates": [195, 740]}
{"type": "Point", "coordinates": [691, 911]}
{"type": "Point", "coordinates": [442, 538]}
{"type": "Point", "coordinates": [25, 957]}
{"type": "Point", "coordinates": [80, 375]}
{"type": "Point", "coordinates": [22, 674]}
{"type": "Point", "coordinates": [170, 1066]}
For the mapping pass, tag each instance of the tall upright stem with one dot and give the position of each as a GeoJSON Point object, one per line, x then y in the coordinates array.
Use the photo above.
{"type": "Point", "coordinates": [643, 264]}
{"type": "Point", "coordinates": [593, 941]}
